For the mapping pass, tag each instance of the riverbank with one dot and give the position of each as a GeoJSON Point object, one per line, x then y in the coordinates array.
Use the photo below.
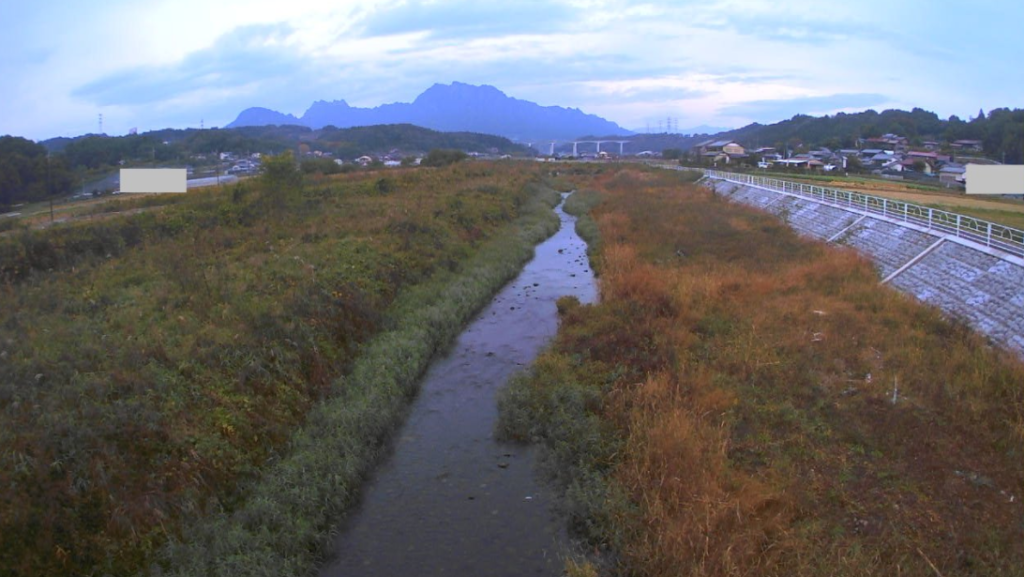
{"type": "Point", "coordinates": [153, 367]}
{"type": "Point", "coordinates": [286, 524]}
{"type": "Point", "coordinates": [745, 401]}
{"type": "Point", "coordinates": [449, 497]}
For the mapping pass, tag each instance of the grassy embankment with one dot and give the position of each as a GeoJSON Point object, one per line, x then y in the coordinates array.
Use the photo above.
{"type": "Point", "coordinates": [155, 368]}
{"type": "Point", "coordinates": [744, 401]}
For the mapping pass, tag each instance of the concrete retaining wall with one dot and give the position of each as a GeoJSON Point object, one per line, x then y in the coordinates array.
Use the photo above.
{"type": "Point", "coordinates": [984, 290]}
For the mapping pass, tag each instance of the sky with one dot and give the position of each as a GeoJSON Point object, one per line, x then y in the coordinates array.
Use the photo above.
{"type": "Point", "coordinates": [152, 64]}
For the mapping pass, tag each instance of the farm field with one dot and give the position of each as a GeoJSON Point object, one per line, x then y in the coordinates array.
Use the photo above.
{"type": "Point", "coordinates": [743, 401]}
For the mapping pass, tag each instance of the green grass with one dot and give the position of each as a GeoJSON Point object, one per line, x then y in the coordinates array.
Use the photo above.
{"type": "Point", "coordinates": [1009, 218]}
{"type": "Point", "coordinates": [157, 365]}
{"type": "Point", "coordinates": [285, 524]}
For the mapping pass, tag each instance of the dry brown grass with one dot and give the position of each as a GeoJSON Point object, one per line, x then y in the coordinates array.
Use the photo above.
{"type": "Point", "coordinates": [753, 375]}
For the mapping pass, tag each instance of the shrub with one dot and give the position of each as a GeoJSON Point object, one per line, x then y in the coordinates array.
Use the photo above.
{"type": "Point", "coordinates": [443, 157]}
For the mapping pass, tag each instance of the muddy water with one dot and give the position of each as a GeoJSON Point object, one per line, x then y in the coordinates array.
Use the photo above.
{"type": "Point", "coordinates": [451, 500]}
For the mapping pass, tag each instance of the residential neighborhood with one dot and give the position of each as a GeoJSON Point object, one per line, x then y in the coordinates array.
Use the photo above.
{"type": "Point", "coordinates": [889, 156]}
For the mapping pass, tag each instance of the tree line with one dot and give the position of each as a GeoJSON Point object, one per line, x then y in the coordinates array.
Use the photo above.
{"type": "Point", "coordinates": [31, 171]}
{"type": "Point", "coordinates": [1001, 131]}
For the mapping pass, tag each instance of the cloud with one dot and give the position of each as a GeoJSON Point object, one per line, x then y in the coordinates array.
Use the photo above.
{"type": "Point", "coordinates": [716, 62]}
{"type": "Point", "coordinates": [775, 110]}
{"type": "Point", "coordinates": [469, 19]}
{"type": "Point", "coordinates": [252, 54]}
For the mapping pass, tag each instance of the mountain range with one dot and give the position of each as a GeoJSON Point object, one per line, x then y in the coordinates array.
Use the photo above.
{"type": "Point", "coordinates": [450, 108]}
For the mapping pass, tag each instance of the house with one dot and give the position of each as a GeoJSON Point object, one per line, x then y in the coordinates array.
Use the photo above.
{"type": "Point", "coordinates": [890, 140]}
{"type": "Point", "coordinates": [715, 156]}
{"type": "Point", "coordinates": [793, 162]}
{"type": "Point", "coordinates": [893, 166]}
{"type": "Point", "coordinates": [952, 174]}
{"type": "Point", "coordinates": [726, 146]}
{"type": "Point", "coordinates": [733, 149]}
{"type": "Point", "coordinates": [925, 165]}
{"type": "Point", "coordinates": [364, 160]}
{"type": "Point", "coordinates": [967, 144]}
{"type": "Point", "coordinates": [882, 158]}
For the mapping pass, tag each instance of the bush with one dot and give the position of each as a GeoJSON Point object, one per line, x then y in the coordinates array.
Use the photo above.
{"type": "Point", "coordinates": [320, 166]}
{"type": "Point", "coordinates": [443, 157]}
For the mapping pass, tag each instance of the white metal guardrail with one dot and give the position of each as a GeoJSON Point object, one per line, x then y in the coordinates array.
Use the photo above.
{"type": "Point", "coordinates": [988, 234]}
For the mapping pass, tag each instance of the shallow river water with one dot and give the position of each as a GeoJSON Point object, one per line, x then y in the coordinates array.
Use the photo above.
{"type": "Point", "coordinates": [450, 499]}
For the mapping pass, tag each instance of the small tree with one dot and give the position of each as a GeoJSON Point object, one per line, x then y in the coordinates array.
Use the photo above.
{"type": "Point", "coordinates": [320, 166]}
{"type": "Point", "coordinates": [281, 178]}
{"type": "Point", "coordinates": [853, 164]}
{"type": "Point", "coordinates": [443, 157]}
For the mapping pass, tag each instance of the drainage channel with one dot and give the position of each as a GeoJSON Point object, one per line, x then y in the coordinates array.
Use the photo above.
{"type": "Point", "coordinates": [451, 499]}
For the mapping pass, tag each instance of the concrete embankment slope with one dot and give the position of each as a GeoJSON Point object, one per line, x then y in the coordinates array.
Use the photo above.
{"type": "Point", "coordinates": [966, 282]}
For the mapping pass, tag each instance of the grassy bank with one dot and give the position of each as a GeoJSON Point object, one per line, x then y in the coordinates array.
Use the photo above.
{"type": "Point", "coordinates": [745, 401]}
{"type": "Point", "coordinates": [156, 366]}
{"type": "Point", "coordinates": [285, 524]}
{"type": "Point", "coordinates": [579, 204]}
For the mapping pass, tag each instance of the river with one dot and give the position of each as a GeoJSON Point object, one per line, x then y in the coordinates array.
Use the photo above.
{"type": "Point", "coordinates": [451, 499]}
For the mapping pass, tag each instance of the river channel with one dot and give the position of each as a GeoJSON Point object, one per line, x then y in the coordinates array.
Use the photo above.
{"type": "Point", "coordinates": [451, 499]}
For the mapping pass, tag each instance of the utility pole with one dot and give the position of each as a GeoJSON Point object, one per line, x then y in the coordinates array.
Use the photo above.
{"type": "Point", "coordinates": [49, 191]}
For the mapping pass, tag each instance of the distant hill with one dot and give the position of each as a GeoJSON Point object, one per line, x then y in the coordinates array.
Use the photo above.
{"type": "Point", "coordinates": [31, 171]}
{"type": "Point", "coordinates": [703, 129]}
{"type": "Point", "coordinates": [263, 117]}
{"type": "Point", "coordinates": [409, 139]}
{"type": "Point", "coordinates": [173, 145]}
{"type": "Point", "coordinates": [450, 108]}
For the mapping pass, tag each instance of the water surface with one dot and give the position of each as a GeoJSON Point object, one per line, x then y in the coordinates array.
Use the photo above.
{"type": "Point", "coordinates": [451, 500]}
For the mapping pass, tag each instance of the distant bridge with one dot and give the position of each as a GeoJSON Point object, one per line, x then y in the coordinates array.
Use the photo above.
{"type": "Point", "coordinates": [576, 143]}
